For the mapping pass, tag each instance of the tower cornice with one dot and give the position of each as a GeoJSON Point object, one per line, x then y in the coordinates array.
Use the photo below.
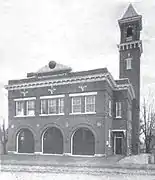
{"type": "Point", "coordinates": [130, 45]}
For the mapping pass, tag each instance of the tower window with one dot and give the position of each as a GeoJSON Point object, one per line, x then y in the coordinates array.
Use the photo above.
{"type": "Point", "coordinates": [128, 63]}
{"type": "Point", "coordinates": [129, 31]}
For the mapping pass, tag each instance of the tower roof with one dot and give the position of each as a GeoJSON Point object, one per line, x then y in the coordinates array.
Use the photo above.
{"type": "Point", "coordinates": [131, 15]}
{"type": "Point", "coordinates": [130, 12]}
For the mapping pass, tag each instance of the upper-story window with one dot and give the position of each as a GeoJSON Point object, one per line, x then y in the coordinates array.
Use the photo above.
{"type": "Point", "coordinates": [52, 106]}
{"type": "Point", "coordinates": [128, 63]}
{"type": "Point", "coordinates": [25, 106]}
{"type": "Point", "coordinates": [90, 103]}
{"type": "Point", "coordinates": [43, 106]}
{"type": "Point", "coordinates": [19, 108]}
{"type": "Point", "coordinates": [30, 108]}
{"type": "Point", "coordinates": [83, 103]}
{"type": "Point", "coordinates": [76, 104]}
{"type": "Point", "coordinates": [118, 109]}
{"type": "Point", "coordinates": [60, 105]}
{"type": "Point", "coordinates": [110, 107]}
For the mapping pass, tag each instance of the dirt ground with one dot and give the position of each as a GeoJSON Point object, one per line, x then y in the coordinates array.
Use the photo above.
{"type": "Point", "coordinates": [62, 176]}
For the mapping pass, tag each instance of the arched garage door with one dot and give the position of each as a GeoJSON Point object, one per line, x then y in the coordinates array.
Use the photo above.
{"type": "Point", "coordinates": [52, 141]}
{"type": "Point", "coordinates": [25, 141]}
{"type": "Point", "coordinates": [83, 142]}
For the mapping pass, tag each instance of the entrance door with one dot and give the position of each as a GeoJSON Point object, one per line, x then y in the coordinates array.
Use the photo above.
{"type": "Point", "coordinates": [119, 145]}
{"type": "Point", "coordinates": [118, 142]}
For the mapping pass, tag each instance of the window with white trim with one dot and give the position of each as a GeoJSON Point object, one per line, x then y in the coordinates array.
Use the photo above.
{"type": "Point", "coordinates": [19, 108]}
{"type": "Point", "coordinates": [76, 104]}
{"type": "Point", "coordinates": [90, 103]}
{"type": "Point", "coordinates": [30, 108]}
{"type": "Point", "coordinates": [60, 106]}
{"type": "Point", "coordinates": [118, 109]}
{"type": "Point", "coordinates": [52, 106]}
{"type": "Point", "coordinates": [128, 63]}
{"type": "Point", "coordinates": [110, 107]}
{"type": "Point", "coordinates": [43, 106]}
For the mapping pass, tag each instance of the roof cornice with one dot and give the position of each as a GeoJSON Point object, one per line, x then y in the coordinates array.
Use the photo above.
{"type": "Point", "coordinates": [127, 87]}
{"type": "Point", "coordinates": [56, 82]}
{"type": "Point", "coordinates": [72, 80]}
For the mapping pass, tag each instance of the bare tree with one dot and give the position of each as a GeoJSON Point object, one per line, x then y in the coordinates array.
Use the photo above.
{"type": "Point", "coordinates": [147, 127]}
{"type": "Point", "coordinates": [4, 136]}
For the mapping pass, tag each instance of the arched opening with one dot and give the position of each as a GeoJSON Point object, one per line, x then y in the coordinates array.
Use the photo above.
{"type": "Point", "coordinates": [83, 142]}
{"type": "Point", "coordinates": [25, 141]}
{"type": "Point", "coordinates": [129, 31]}
{"type": "Point", "coordinates": [52, 141]}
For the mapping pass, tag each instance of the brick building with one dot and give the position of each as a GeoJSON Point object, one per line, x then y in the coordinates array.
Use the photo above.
{"type": "Point", "coordinates": [58, 111]}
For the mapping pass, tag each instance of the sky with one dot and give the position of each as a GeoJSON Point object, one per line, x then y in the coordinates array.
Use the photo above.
{"type": "Point", "coordinates": [82, 34]}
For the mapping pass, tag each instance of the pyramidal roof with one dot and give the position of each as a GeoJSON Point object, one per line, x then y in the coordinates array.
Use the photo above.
{"type": "Point", "coordinates": [130, 12]}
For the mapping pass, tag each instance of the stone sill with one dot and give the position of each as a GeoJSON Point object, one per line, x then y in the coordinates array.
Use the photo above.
{"type": "Point", "coordinates": [85, 113]}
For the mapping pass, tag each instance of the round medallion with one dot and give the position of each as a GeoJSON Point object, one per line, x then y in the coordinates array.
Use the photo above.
{"type": "Point", "coordinates": [67, 124]}
{"type": "Point", "coordinates": [99, 124]}
{"type": "Point", "coordinates": [52, 64]}
{"type": "Point", "coordinates": [12, 126]}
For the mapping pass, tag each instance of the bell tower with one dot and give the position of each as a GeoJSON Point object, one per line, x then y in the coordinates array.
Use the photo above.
{"type": "Point", "coordinates": [130, 50]}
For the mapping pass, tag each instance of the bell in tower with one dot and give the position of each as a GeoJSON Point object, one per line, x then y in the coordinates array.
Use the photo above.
{"type": "Point", "coordinates": [130, 49]}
